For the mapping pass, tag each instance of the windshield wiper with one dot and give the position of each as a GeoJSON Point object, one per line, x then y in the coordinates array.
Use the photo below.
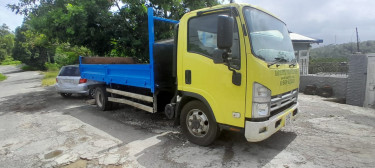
{"type": "Point", "coordinates": [293, 64]}
{"type": "Point", "coordinates": [277, 61]}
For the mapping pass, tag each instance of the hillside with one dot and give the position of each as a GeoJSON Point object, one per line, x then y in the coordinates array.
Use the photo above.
{"type": "Point", "coordinates": [342, 50]}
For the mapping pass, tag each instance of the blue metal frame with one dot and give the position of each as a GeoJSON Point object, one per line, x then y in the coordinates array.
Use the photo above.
{"type": "Point", "coordinates": [151, 40]}
{"type": "Point", "coordinates": [139, 75]}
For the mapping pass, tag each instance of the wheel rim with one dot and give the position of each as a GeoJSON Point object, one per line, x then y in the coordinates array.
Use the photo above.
{"type": "Point", "coordinates": [92, 93]}
{"type": "Point", "coordinates": [99, 99]}
{"type": "Point", "coordinates": [197, 123]}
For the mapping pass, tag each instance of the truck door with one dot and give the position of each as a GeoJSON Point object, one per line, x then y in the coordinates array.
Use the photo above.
{"type": "Point", "coordinates": [213, 81]}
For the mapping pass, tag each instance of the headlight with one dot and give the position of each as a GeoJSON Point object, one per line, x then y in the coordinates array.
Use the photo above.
{"type": "Point", "coordinates": [261, 101]}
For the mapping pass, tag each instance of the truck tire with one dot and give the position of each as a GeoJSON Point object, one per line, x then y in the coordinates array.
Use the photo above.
{"type": "Point", "coordinates": [198, 124]}
{"type": "Point", "coordinates": [101, 99]}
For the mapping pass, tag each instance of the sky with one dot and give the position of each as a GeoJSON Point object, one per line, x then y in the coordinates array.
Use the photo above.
{"type": "Point", "coordinates": [8, 17]}
{"type": "Point", "coordinates": [334, 21]}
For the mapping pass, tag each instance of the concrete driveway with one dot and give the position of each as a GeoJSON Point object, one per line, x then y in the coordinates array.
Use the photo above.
{"type": "Point", "coordinates": [39, 128]}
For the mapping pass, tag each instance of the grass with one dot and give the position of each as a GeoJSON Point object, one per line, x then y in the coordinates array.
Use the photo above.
{"type": "Point", "coordinates": [28, 68]}
{"type": "Point", "coordinates": [2, 77]}
{"type": "Point", "coordinates": [10, 61]}
{"type": "Point", "coordinates": [49, 78]}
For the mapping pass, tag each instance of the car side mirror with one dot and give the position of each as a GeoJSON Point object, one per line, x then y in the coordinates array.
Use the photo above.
{"type": "Point", "coordinates": [225, 32]}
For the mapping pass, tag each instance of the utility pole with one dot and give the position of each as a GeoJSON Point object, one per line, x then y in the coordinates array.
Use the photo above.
{"type": "Point", "coordinates": [356, 29]}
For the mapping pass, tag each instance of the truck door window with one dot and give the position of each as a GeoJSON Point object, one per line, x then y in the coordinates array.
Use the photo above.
{"type": "Point", "coordinates": [202, 37]}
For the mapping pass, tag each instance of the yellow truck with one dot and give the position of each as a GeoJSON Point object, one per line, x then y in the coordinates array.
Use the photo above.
{"type": "Point", "coordinates": [229, 67]}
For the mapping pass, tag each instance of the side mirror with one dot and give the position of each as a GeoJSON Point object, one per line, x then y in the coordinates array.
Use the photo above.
{"type": "Point", "coordinates": [224, 32]}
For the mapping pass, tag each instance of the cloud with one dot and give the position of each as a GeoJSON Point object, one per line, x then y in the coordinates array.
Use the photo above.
{"type": "Point", "coordinates": [325, 19]}
{"type": "Point", "coordinates": [8, 17]}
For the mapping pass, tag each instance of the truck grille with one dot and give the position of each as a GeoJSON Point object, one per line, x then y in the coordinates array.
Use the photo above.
{"type": "Point", "coordinates": [283, 101]}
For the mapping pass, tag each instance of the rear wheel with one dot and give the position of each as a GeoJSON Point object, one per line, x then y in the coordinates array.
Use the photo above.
{"type": "Point", "coordinates": [101, 99]}
{"type": "Point", "coordinates": [198, 124]}
{"type": "Point", "coordinates": [66, 95]}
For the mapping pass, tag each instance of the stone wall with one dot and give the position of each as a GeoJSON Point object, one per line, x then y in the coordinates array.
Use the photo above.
{"type": "Point", "coordinates": [356, 89]}
{"type": "Point", "coordinates": [337, 82]}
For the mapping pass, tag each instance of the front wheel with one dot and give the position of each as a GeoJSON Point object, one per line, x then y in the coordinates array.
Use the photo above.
{"type": "Point", "coordinates": [198, 123]}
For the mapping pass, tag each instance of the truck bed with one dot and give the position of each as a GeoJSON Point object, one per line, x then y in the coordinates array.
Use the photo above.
{"type": "Point", "coordinates": [137, 75]}
{"type": "Point", "coordinates": [158, 74]}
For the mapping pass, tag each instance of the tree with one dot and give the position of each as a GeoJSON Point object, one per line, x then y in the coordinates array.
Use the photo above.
{"type": "Point", "coordinates": [31, 47]}
{"type": "Point", "coordinates": [91, 24]}
{"type": "Point", "coordinates": [6, 42]}
{"type": "Point", "coordinates": [342, 50]}
{"type": "Point", "coordinates": [131, 35]}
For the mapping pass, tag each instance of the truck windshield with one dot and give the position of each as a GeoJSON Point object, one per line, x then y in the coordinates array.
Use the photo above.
{"type": "Point", "coordinates": [269, 37]}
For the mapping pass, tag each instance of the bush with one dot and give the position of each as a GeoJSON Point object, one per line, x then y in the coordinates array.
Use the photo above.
{"type": "Point", "coordinates": [52, 66]}
{"type": "Point", "coordinates": [2, 77]}
{"type": "Point", "coordinates": [68, 55]}
{"type": "Point", "coordinates": [29, 68]}
{"type": "Point", "coordinates": [10, 61]}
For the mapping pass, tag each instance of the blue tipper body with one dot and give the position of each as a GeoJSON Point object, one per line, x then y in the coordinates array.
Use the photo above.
{"type": "Point", "coordinates": [138, 75]}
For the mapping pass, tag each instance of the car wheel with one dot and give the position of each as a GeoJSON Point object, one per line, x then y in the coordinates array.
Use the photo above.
{"type": "Point", "coordinates": [101, 99]}
{"type": "Point", "coordinates": [66, 95]}
{"type": "Point", "coordinates": [92, 93]}
{"type": "Point", "coordinates": [198, 123]}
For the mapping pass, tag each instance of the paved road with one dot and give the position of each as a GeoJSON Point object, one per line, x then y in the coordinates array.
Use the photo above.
{"type": "Point", "coordinates": [39, 128]}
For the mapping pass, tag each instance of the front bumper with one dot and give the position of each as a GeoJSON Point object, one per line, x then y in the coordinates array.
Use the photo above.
{"type": "Point", "coordinates": [258, 131]}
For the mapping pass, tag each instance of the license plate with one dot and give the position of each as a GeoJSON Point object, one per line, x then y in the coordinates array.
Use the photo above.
{"type": "Point", "coordinates": [288, 119]}
{"type": "Point", "coordinates": [68, 81]}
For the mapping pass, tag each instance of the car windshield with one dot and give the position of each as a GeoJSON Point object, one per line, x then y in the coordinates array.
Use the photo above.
{"type": "Point", "coordinates": [70, 71]}
{"type": "Point", "coordinates": [269, 37]}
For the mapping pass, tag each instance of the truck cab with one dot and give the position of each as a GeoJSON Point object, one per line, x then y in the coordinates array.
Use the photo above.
{"type": "Point", "coordinates": [254, 90]}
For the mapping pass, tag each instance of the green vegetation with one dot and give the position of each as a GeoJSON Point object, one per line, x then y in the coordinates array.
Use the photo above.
{"type": "Point", "coordinates": [28, 68]}
{"type": "Point", "coordinates": [340, 52]}
{"type": "Point", "coordinates": [49, 78]}
{"type": "Point", "coordinates": [334, 58]}
{"type": "Point", "coordinates": [59, 31]}
{"type": "Point", "coordinates": [2, 77]}
{"type": "Point", "coordinates": [50, 75]}
{"type": "Point", "coordinates": [10, 61]}
{"type": "Point", "coordinates": [6, 42]}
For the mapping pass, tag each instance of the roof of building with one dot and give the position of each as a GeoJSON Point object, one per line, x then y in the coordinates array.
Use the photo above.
{"type": "Point", "coordinates": [297, 38]}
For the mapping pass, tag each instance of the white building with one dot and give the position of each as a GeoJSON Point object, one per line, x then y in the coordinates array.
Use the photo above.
{"type": "Point", "coordinates": [302, 46]}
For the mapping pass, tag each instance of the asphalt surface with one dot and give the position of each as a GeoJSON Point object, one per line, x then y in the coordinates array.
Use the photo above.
{"type": "Point", "coordinates": [39, 128]}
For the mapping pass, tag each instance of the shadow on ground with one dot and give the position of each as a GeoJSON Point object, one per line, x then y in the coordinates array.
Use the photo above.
{"type": "Point", "coordinates": [129, 125]}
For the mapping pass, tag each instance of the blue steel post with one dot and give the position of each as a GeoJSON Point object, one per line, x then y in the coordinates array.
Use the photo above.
{"type": "Point", "coordinates": [151, 41]}
{"type": "Point", "coordinates": [150, 13]}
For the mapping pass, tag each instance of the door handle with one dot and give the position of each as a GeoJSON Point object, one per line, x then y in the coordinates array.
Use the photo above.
{"type": "Point", "coordinates": [188, 76]}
